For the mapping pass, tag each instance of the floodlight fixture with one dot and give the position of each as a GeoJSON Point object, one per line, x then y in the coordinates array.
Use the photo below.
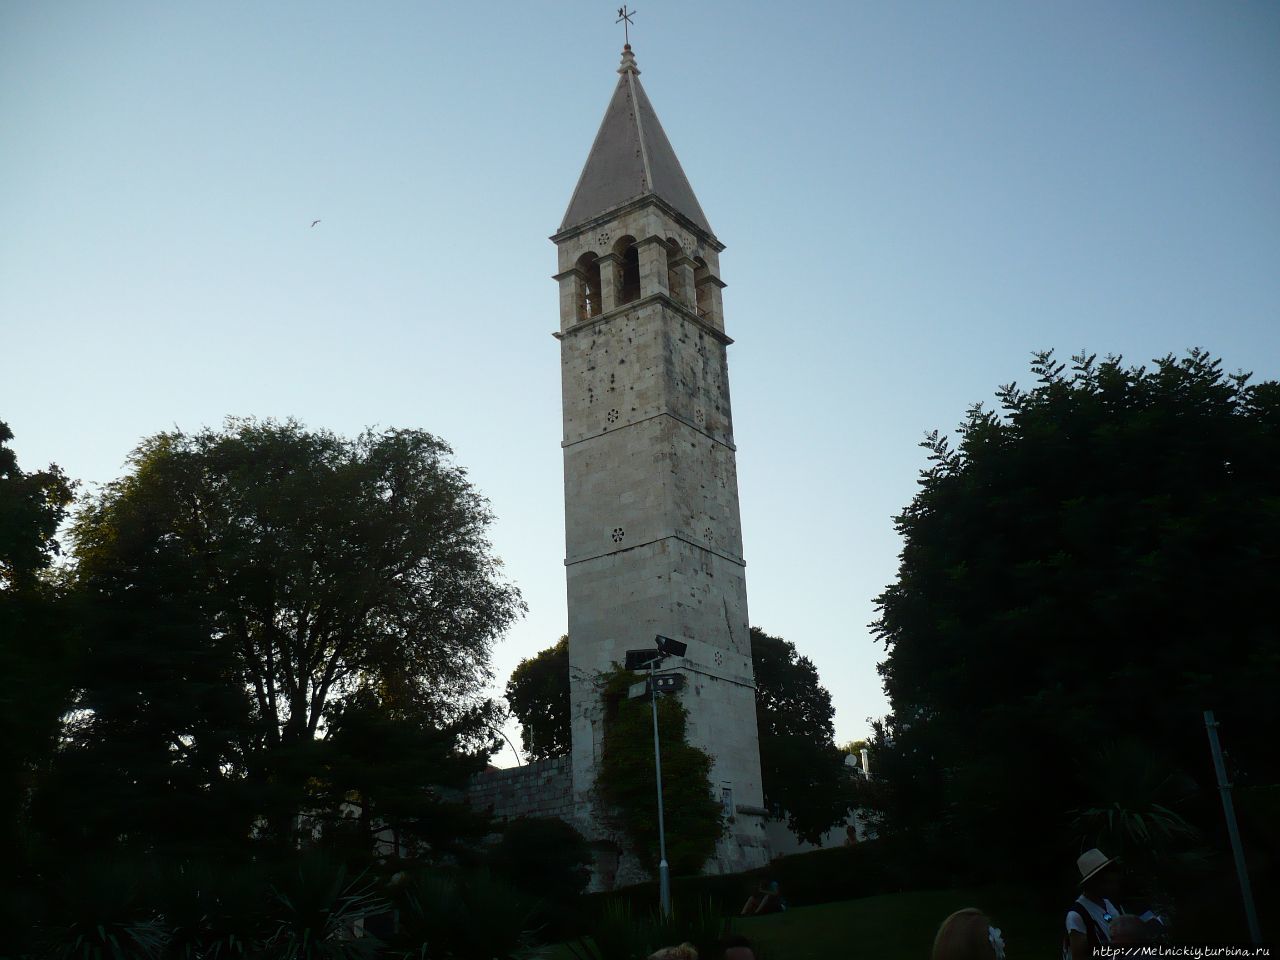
{"type": "Point", "coordinates": [642, 659]}
{"type": "Point", "coordinates": [670, 647]}
{"type": "Point", "coordinates": [668, 683]}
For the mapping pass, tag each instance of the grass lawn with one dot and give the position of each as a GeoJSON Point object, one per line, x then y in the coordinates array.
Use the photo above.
{"type": "Point", "coordinates": [898, 926]}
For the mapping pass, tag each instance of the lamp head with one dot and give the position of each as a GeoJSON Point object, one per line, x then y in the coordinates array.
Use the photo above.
{"type": "Point", "coordinates": [670, 647]}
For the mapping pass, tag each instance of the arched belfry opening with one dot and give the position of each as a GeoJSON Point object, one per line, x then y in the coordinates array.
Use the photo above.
{"type": "Point", "coordinates": [629, 279]}
{"type": "Point", "coordinates": [590, 295]}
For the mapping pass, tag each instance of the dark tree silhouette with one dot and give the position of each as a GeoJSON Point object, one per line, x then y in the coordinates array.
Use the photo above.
{"type": "Point", "coordinates": [245, 586]}
{"type": "Point", "coordinates": [1095, 563]}
{"type": "Point", "coordinates": [36, 647]}
{"type": "Point", "coordinates": [803, 771]}
{"type": "Point", "coordinates": [538, 693]}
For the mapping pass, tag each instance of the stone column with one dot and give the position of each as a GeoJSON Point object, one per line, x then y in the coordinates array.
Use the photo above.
{"type": "Point", "coordinates": [572, 282]}
{"type": "Point", "coordinates": [610, 281]}
{"type": "Point", "coordinates": [682, 273]}
{"type": "Point", "coordinates": [710, 287]}
{"type": "Point", "coordinates": [653, 266]}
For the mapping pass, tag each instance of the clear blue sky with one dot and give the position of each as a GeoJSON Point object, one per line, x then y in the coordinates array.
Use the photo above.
{"type": "Point", "coordinates": [914, 197]}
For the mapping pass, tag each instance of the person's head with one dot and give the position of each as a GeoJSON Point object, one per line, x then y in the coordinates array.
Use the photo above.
{"type": "Point", "coordinates": [737, 947]}
{"type": "Point", "coordinates": [685, 951]}
{"type": "Point", "coordinates": [968, 935]}
{"type": "Point", "coordinates": [1128, 930]}
{"type": "Point", "coordinates": [1099, 874]}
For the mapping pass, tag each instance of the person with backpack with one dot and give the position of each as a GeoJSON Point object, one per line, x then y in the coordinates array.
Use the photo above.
{"type": "Point", "coordinates": [1088, 923]}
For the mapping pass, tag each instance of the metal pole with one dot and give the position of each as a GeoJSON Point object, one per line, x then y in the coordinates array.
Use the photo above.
{"type": "Point", "coordinates": [664, 877]}
{"type": "Point", "coordinates": [1233, 831]}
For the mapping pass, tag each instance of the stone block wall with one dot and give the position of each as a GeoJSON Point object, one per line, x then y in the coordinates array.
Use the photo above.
{"type": "Point", "coordinates": [539, 789]}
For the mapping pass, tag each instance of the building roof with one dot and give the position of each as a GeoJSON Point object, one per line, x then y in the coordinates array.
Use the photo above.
{"type": "Point", "coordinates": [631, 158]}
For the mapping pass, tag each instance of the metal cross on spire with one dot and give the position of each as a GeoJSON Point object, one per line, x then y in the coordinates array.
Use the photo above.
{"type": "Point", "coordinates": [624, 18]}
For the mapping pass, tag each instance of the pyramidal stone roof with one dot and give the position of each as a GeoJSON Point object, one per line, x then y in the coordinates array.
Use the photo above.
{"type": "Point", "coordinates": [631, 158]}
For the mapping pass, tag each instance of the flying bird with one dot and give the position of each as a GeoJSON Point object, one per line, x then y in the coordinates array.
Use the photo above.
{"type": "Point", "coordinates": [314, 222]}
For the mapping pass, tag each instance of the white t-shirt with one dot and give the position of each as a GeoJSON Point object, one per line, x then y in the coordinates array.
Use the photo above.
{"type": "Point", "coordinates": [1102, 915]}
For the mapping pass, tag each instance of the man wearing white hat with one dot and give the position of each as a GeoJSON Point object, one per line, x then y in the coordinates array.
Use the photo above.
{"type": "Point", "coordinates": [1089, 918]}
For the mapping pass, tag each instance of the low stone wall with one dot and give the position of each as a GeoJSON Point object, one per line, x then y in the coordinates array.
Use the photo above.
{"type": "Point", "coordinates": [539, 789]}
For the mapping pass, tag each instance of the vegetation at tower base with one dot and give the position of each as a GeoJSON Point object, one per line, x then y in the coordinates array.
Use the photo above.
{"type": "Point", "coordinates": [627, 784]}
{"type": "Point", "coordinates": [1094, 564]}
{"type": "Point", "coordinates": [538, 693]}
{"type": "Point", "coordinates": [802, 770]}
{"type": "Point", "coordinates": [245, 590]}
{"type": "Point", "coordinates": [804, 776]}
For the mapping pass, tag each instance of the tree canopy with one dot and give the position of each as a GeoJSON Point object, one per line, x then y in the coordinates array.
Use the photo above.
{"type": "Point", "coordinates": [803, 771]}
{"type": "Point", "coordinates": [253, 588]}
{"type": "Point", "coordinates": [35, 635]}
{"type": "Point", "coordinates": [32, 505]}
{"type": "Point", "coordinates": [1094, 563]}
{"type": "Point", "coordinates": [538, 693]}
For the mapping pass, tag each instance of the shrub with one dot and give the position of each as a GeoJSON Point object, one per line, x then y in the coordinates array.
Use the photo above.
{"type": "Point", "coordinates": [465, 916]}
{"type": "Point", "coordinates": [627, 784]}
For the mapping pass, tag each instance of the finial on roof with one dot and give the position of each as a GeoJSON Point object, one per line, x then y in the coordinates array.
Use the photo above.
{"type": "Point", "coordinates": [624, 18]}
{"type": "Point", "coordinates": [628, 61]}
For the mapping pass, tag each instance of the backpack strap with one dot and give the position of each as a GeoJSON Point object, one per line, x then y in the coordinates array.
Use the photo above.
{"type": "Point", "coordinates": [1093, 931]}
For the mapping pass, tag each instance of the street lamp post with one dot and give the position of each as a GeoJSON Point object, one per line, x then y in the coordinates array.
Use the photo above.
{"type": "Point", "coordinates": [1233, 831]}
{"type": "Point", "coordinates": [636, 660]}
{"type": "Point", "coordinates": [664, 876]}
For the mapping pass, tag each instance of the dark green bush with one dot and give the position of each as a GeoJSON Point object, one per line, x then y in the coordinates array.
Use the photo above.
{"type": "Point", "coordinates": [464, 915]}
{"type": "Point", "coordinates": [547, 860]}
{"type": "Point", "coordinates": [819, 876]}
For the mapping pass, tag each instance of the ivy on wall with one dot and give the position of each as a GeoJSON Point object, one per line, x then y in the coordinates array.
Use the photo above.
{"type": "Point", "coordinates": [627, 785]}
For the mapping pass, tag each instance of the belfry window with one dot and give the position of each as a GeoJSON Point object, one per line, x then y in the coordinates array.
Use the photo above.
{"type": "Point", "coordinates": [589, 298]}
{"type": "Point", "coordinates": [630, 283]}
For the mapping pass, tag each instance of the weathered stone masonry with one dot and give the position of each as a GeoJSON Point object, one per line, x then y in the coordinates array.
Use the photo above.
{"type": "Point", "coordinates": [653, 541]}
{"type": "Point", "coordinates": [539, 789]}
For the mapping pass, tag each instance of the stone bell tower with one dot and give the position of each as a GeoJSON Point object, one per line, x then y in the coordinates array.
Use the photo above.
{"type": "Point", "coordinates": [652, 532]}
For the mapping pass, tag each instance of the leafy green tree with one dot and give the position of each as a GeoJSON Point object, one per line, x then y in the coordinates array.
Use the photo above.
{"type": "Point", "coordinates": [627, 781]}
{"type": "Point", "coordinates": [34, 641]}
{"type": "Point", "coordinates": [1096, 562]}
{"type": "Point", "coordinates": [36, 652]}
{"type": "Point", "coordinates": [538, 693]}
{"type": "Point", "coordinates": [244, 586]}
{"type": "Point", "coordinates": [390, 766]}
{"type": "Point", "coordinates": [32, 505]}
{"type": "Point", "coordinates": [803, 772]}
